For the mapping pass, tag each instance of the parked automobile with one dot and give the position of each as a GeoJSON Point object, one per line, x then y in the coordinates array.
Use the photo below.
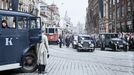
{"type": "Point", "coordinates": [85, 43]}
{"type": "Point", "coordinates": [118, 44]}
{"type": "Point", "coordinates": [111, 40]}
{"type": "Point", "coordinates": [104, 39]}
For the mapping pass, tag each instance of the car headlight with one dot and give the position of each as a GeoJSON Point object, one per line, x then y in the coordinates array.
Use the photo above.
{"type": "Point", "coordinates": [124, 42]}
{"type": "Point", "coordinates": [127, 44]}
{"type": "Point", "coordinates": [79, 45]}
{"type": "Point", "coordinates": [89, 42]}
{"type": "Point", "coordinates": [74, 42]}
{"type": "Point", "coordinates": [117, 42]}
{"type": "Point", "coordinates": [92, 45]}
{"type": "Point", "coordinates": [81, 42]}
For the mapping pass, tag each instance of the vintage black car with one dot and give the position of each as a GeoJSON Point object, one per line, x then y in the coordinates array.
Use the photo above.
{"type": "Point", "coordinates": [118, 44]}
{"type": "Point", "coordinates": [85, 43]}
{"type": "Point", "coordinates": [104, 39]}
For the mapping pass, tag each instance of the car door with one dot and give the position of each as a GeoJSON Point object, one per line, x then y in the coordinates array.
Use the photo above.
{"type": "Point", "coordinates": [35, 30]}
{"type": "Point", "coordinates": [8, 46]}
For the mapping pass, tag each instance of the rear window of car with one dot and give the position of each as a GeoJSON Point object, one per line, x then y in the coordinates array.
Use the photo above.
{"type": "Point", "coordinates": [87, 38]}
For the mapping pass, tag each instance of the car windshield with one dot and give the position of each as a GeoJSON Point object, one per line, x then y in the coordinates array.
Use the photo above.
{"type": "Point", "coordinates": [116, 39]}
{"type": "Point", "coordinates": [86, 38]}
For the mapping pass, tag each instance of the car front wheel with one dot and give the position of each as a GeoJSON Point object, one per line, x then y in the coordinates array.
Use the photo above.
{"type": "Point", "coordinates": [115, 48]}
{"type": "Point", "coordinates": [126, 48]}
{"type": "Point", "coordinates": [102, 47]}
{"type": "Point", "coordinates": [29, 63]}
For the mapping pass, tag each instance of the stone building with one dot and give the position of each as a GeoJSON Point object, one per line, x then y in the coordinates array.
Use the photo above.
{"type": "Point", "coordinates": [92, 17]}
{"type": "Point", "coordinates": [23, 5]}
{"type": "Point", "coordinates": [110, 16]}
{"type": "Point", "coordinates": [53, 13]}
{"type": "Point", "coordinates": [5, 4]}
{"type": "Point", "coordinates": [49, 14]}
{"type": "Point", "coordinates": [117, 16]}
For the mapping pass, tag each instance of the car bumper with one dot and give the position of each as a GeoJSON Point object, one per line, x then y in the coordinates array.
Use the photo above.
{"type": "Point", "coordinates": [121, 46]}
{"type": "Point", "coordinates": [84, 48]}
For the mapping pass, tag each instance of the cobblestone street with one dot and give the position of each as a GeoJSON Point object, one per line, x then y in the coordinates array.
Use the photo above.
{"type": "Point", "coordinates": [67, 61]}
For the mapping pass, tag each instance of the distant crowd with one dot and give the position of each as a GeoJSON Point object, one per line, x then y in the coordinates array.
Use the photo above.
{"type": "Point", "coordinates": [129, 37]}
{"type": "Point", "coordinates": [65, 40]}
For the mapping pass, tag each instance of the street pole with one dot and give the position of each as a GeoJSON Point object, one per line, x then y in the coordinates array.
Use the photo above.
{"type": "Point", "coordinates": [15, 4]}
{"type": "Point", "coordinates": [115, 16]}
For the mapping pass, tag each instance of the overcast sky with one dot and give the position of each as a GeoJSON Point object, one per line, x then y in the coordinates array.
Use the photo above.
{"type": "Point", "coordinates": [76, 9]}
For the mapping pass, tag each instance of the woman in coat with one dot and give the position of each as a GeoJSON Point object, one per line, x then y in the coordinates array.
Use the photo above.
{"type": "Point", "coordinates": [42, 53]}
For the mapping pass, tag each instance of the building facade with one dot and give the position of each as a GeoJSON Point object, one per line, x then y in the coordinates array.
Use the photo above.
{"type": "Point", "coordinates": [103, 16]}
{"type": "Point", "coordinates": [110, 16]}
{"type": "Point", "coordinates": [54, 16]}
{"type": "Point", "coordinates": [5, 4]}
{"type": "Point", "coordinates": [117, 16]}
{"type": "Point", "coordinates": [92, 17]}
{"type": "Point", "coordinates": [50, 14]}
{"type": "Point", "coordinates": [23, 5]}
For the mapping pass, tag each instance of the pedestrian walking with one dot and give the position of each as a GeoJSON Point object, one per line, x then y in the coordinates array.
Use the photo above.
{"type": "Point", "coordinates": [60, 41]}
{"type": "Point", "coordinates": [67, 41]}
{"type": "Point", "coordinates": [42, 54]}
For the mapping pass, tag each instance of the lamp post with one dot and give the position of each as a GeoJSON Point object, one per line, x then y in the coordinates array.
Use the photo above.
{"type": "Point", "coordinates": [115, 16]}
{"type": "Point", "coordinates": [15, 4]}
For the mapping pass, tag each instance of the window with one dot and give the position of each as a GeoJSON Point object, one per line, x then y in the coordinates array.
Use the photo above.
{"type": "Point", "coordinates": [105, 11]}
{"type": "Point", "coordinates": [51, 30]}
{"type": "Point", "coordinates": [123, 12]}
{"type": "Point", "coordinates": [118, 1]}
{"type": "Point", "coordinates": [123, 9]}
{"type": "Point", "coordinates": [22, 23]}
{"type": "Point", "coordinates": [35, 23]}
{"type": "Point", "coordinates": [118, 12]}
{"type": "Point", "coordinates": [10, 21]}
{"type": "Point", "coordinates": [38, 23]}
{"type": "Point", "coordinates": [113, 2]}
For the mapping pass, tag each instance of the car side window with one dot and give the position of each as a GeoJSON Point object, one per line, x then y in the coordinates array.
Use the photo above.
{"type": "Point", "coordinates": [22, 23]}
{"type": "Point", "coordinates": [33, 24]}
{"type": "Point", "coordinates": [9, 20]}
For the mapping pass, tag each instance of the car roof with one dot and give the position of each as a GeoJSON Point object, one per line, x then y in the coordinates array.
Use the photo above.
{"type": "Point", "coordinates": [84, 35]}
{"type": "Point", "coordinates": [115, 39]}
{"type": "Point", "coordinates": [108, 33]}
{"type": "Point", "coordinates": [14, 13]}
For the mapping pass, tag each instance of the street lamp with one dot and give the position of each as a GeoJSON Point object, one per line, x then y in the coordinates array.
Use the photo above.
{"type": "Point", "coordinates": [115, 16]}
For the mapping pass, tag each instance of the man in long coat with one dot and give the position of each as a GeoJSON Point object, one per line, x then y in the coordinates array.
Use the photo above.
{"type": "Point", "coordinates": [42, 54]}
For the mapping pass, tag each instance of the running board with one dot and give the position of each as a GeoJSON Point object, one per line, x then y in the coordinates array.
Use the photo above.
{"type": "Point", "coordinates": [9, 66]}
